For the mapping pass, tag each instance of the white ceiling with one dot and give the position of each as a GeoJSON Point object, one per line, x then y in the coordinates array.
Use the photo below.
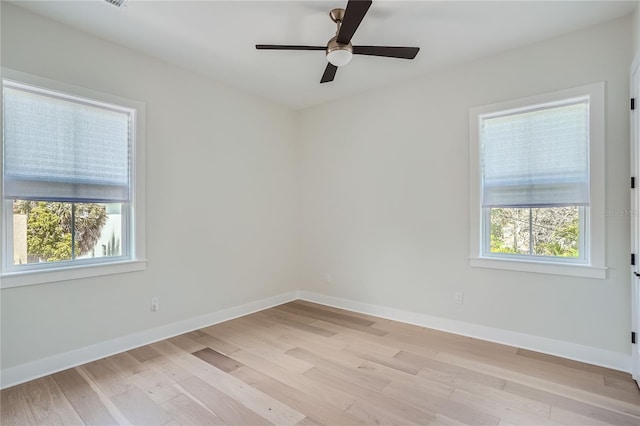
{"type": "Point", "coordinates": [217, 38]}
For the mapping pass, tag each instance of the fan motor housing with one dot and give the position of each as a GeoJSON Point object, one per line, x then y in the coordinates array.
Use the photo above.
{"type": "Point", "coordinates": [334, 45]}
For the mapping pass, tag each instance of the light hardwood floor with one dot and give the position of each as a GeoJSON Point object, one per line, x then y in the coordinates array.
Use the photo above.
{"type": "Point", "coordinates": [307, 364]}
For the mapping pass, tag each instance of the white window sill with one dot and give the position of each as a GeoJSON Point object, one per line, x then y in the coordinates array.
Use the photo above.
{"type": "Point", "coordinates": [569, 269]}
{"type": "Point", "coordinates": [21, 278]}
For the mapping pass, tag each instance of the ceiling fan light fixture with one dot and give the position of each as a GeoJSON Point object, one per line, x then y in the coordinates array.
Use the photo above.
{"type": "Point", "coordinates": [339, 54]}
{"type": "Point", "coordinates": [339, 58]}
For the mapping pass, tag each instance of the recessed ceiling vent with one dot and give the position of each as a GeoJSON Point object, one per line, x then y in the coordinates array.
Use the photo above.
{"type": "Point", "coordinates": [117, 3]}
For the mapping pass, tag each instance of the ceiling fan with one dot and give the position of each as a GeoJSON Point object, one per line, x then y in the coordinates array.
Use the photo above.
{"type": "Point", "coordinates": [339, 49]}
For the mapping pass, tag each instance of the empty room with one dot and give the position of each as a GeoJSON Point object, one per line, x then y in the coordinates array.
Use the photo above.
{"type": "Point", "coordinates": [329, 212]}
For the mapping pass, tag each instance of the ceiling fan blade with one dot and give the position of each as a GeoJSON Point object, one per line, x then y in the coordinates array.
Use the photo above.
{"type": "Point", "coordinates": [387, 51]}
{"type": "Point", "coordinates": [329, 73]}
{"type": "Point", "coordinates": [288, 47]}
{"type": "Point", "coordinates": [353, 14]}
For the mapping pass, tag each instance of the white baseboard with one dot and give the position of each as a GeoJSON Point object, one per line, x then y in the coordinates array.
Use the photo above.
{"type": "Point", "coordinates": [588, 354]}
{"type": "Point", "coordinates": [42, 367]}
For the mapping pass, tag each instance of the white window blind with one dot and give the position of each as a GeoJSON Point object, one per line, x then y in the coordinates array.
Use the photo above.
{"type": "Point", "coordinates": [64, 149]}
{"type": "Point", "coordinates": [536, 158]}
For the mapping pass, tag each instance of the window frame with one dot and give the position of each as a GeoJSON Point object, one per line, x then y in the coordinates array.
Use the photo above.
{"type": "Point", "coordinates": [592, 262]}
{"type": "Point", "coordinates": [133, 256]}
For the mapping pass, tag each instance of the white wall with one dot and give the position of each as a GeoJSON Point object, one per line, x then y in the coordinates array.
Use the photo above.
{"type": "Point", "coordinates": [636, 29]}
{"type": "Point", "coordinates": [221, 197]}
{"type": "Point", "coordinates": [386, 195]}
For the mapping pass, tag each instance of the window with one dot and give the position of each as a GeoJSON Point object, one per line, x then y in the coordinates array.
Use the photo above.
{"type": "Point", "coordinates": [537, 179]}
{"type": "Point", "coordinates": [71, 182]}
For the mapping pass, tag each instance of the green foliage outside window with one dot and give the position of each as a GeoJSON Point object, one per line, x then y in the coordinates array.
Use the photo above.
{"type": "Point", "coordinates": [536, 231]}
{"type": "Point", "coordinates": [50, 226]}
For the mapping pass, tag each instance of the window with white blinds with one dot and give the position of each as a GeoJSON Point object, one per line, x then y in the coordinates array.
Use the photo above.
{"type": "Point", "coordinates": [537, 183]}
{"type": "Point", "coordinates": [72, 182]}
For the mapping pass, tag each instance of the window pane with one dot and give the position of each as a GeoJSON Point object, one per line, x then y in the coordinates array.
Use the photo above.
{"type": "Point", "coordinates": [556, 231]}
{"type": "Point", "coordinates": [99, 228]}
{"type": "Point", "coordinates": [551, 231]}
{"type": "Point", "coordinates": [510, 231]}
{"type": "Point", "coordinates": [52, 232]}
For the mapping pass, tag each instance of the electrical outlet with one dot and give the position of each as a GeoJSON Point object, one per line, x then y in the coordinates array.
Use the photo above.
{"type": "Point", "coordinates": [458, 297]}
{"type": "Point", "coordinates": [155, 304]}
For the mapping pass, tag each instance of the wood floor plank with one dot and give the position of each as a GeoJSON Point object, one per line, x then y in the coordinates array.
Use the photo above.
{"type": "Point", "coordinates": [411, 345]}
{"type": "Point", "coordinates": [264, 405]}
{"type": "Point", "coordinates": [283, 360]}
{"type": "Point", "coordinates": [361, 376]}
{"type": "Point", "coordinates": [328, 352]}
{"type": "Point", "coordinates": [311, 404]}
{"type": "Point", "coordinates": [186, 343]}
{"type": "Point", "coordinates": [306, 364]}
{"type": "Point", "coordinates": [334, 397]}
{"type": "Point", "coordinates": [343, 321]}
{"type": "Point", "coordinates": [308, 421]}
{"type": "Point", "coordinates": [357, 343]}
{"type": "Point", "coordinates": [315, 310]}
{"type": "Point", "coordinates": [218, 360]}
{"type": "Point", "coordinates": [140, 409]}
{"type": "Point", "coordinates": [442, 420]}
{"type": "Point", "coordinates": [186, 411]}
{"type": "Point", "coordinates": [110, 381]}
{"type": "Point", "coordinates": [84, 400]}
{"type": "Point", "coordinates": [422, 399]}
{"type": "Point", "coordinates": [571, 405]}
{"type": "Point", "coordinates": [373, 414]}
{"type": "Point", "coordinates": [435, 397]}
{"type": "Point", "coordinates": [143, 353]}
{"type": "Point", "coordinates": [323, 343]}
{"type": "Point", "coordinates": [163, 365]}
{"type": "Point", "coordinates": [607, 372]}
{"type": "Point", "coordinates": [388, 361]}
{"type": "Point", "coordinates": [120, 418]}
{"type": "Point", "coordinates": [281, 318]}
{"type": "Point", "coordinates": [363, 316]}
{"type": "Point", "coordinates": [15, 409]}
{"type": "Point", "coordinates": [48, 404]}
{"type": "Point", "coordinates": [625, 385]}
{"type": "Point", "coordinates": [246, 338]}
{"type": "Point", "coordinates": [125, 364]}
{"type": "Point", "coordinates": [217, 345]}
{"type": "Point", "coordinates": [392, 406]}
{"type": "Point", "coordinates": [453, 375]}
{"type": "Point", "coordinates": [157, 386]}
{"type": "Point", "coordinates": [517, 412]}
{"type": "Point", "coordinates": [195, 334]}
{"type": "Point", "coordinates": [523, 377]}
{"type": "Point", "coordinates": [467, 415]}
{"type": "Point", "coordinates": [552, 372]}
{"type": "Point", "coordinates": [568, 417]}
{"type": "Point", "coordinates": [222, 405]}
